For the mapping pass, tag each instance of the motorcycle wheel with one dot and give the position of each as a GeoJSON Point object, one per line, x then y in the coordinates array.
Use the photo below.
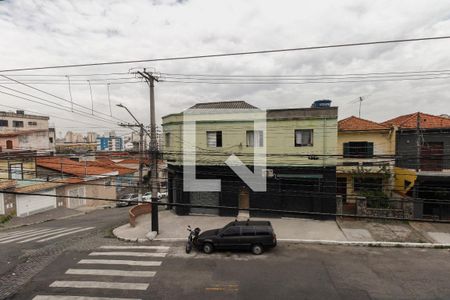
{"type": "Point", "coordinates": [188, 248]}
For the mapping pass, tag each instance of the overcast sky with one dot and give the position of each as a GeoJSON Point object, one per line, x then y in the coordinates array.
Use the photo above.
{"type": "Point", "coordinates": [42, 33]}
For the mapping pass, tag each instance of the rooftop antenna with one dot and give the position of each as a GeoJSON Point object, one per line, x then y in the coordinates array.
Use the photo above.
{"type": "Point", "coordinates": [360, 103]}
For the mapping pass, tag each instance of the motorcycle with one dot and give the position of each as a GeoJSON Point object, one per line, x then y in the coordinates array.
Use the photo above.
{"type": "Point", "coordinates": [192, 238]}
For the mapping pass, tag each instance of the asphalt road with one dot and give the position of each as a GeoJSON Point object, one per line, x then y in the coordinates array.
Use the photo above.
{"type": "Point", "coordinates": [164, 271]}
{"type": "Point", "coordinates": [25, 251]}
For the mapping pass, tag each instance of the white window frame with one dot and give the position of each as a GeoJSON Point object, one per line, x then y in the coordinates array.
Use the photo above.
{"type": "Point", "coordinates": [299, 132]}
{"type": "Point", "coordinates": [251, 139]}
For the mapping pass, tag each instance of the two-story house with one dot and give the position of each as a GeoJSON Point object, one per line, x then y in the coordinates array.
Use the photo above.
{"type": "Point", "coordinates": [294, 151]}
{"type": "Point", "coordinates": [423, 162]}
{"type": "Point", "coordinates": [21, 131]}
{"type": "Point", "coordinates": [366, 152]}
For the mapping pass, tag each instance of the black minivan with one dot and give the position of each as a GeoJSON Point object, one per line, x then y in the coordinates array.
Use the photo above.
{"type": "Point", "coordinates": [239, 235]}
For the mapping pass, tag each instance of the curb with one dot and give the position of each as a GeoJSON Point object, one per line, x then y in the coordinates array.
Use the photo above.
{"type": "Point", "coordinates": [344, 243]}
{"type": "Point", "coordinates": [130, 240]}
{"type": "Point", "coordinates": [42, 221]}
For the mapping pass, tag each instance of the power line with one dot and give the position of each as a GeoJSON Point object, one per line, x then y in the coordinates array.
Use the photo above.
{"type": "Point", "coordinates": [174, 58]}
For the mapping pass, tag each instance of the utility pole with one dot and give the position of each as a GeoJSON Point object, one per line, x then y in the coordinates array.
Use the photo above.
{"type": "Point", "coordinates": [141, 156]}
{"type": "Point", "coordinates": [154, 155]}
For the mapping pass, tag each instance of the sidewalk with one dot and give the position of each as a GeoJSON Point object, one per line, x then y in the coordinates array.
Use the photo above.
{"type": "Point", "coordinates": [351, 232]}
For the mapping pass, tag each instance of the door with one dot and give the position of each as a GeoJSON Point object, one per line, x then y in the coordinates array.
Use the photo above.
{"type": "Point", "coordinates": [230, 238]}
{"type": "Point", "coordinates": [341, 188]}
{"type": "Point", "coordinates": [431, 156]}
{"type": "Point", "coordinates": [9, 144]}
{"type": "Point", "coordinates": [204, 198]}
{"type": "Point", "coordinates": [74, 201]}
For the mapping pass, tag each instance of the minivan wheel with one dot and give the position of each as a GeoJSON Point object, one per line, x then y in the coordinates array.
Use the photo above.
{"type": "Point", "coordinates": [208, 248]}
{"type": "Point", "coordinates": [257, 249]}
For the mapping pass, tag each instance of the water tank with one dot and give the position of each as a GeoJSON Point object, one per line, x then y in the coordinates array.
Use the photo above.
{"type": "Point", "coordinates": [321, 103]}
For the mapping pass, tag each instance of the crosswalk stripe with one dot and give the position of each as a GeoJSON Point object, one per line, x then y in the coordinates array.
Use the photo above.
{"type": "Point", "coordinates": [100, 285]}
{"type": "Point", "coordinates": [4, 235]}
{"type": "Point", "coordinates": [46, 234]}
{"type": "Point", "coordinates": [64, 234]}
{"type": "Point", "coordinates": [109, 272]}
{"type": "Point", "coordinates": [62, 297]}
{"type": "Point", "coordinates": [120, 262]}
{"type": "Point", "coordinates": [136, 247]}
{"type": "Point", "coordinates": [18, 238]}
{"type": "Point", "coordinates": [137, 254]}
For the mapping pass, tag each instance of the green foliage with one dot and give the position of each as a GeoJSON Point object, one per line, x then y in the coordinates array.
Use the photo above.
{"type": "Point", "coordinates": [376, 199]}
{"type": "Point", "coordinates": [4, 219]}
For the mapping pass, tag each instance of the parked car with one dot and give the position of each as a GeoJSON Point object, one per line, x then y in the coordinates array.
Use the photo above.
{"type": "Point", "coordinates": [256, 236]}
{"type": "Point", "coordinates": [127, 200]}
{"type": "Point", "coordinates": [148, 196]}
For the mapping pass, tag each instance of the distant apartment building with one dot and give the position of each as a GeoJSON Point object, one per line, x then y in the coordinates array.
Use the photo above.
{"type": "Point", "coordinates": [73, 137]}
{"type": "Point", "coordinates": [91, 137]}
{"type": "Point", "coordinates": [111, 143]}
{"type": "Point", "coordinates": [300, 168]}
{"type": "Point", "coordinates": [20, 131]}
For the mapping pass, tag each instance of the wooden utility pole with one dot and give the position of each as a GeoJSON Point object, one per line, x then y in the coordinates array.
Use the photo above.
{"type": "Point", "coordinates": [154, 155]}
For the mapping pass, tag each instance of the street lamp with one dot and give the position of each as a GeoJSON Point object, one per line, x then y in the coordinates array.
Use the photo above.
{"type": "Point", "coordinates": [141, 148]}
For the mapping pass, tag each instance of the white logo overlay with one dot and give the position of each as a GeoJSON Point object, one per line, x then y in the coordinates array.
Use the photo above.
{"type": "Point", "coordinates": [224, 137]}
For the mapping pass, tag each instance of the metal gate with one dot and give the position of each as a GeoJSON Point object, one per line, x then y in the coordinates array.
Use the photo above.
{"type": "Point", "coordinates": [205, 198]}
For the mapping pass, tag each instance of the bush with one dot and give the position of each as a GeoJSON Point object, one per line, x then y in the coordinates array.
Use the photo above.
{"type": "Point", "coordinates": [376, 199]}
{"type": "Point", "coordinates": [4, 219]}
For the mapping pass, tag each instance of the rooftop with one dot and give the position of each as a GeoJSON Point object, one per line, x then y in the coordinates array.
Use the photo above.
{"type": "Point", "coordinates": [357, 124]}
{"type": "Point", "coordinates": [68, 166]}
{"type": "Point", "coordinates": [223, 105]}
{"type": "Point", "coordinates": [427, 121]}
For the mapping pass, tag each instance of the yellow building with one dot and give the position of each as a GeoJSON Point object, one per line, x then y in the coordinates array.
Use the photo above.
{"type": "Point", "coordinates": [366, 150]}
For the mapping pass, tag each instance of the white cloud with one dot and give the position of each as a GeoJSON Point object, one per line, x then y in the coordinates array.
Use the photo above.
{"type": "Point", "coordinates": [39, 33]}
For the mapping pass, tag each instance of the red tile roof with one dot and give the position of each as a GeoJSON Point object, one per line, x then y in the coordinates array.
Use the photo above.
{"type": "Point", "coordinates": [357, 124]}
{"type": "Point", "coordinates": [109, 164]}
{"type": "Point", "coordinates": [68, 166]}
{"type": "Point", "coordinates": [426, 121]}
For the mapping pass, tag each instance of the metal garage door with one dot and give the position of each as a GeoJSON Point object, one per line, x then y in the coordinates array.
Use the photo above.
{"type": "Point", "coordinates": [76, 202]}
{"type": "Point", "coordinates": [205, 198]}
{"type": "Point", "coordinates": [28, 205]}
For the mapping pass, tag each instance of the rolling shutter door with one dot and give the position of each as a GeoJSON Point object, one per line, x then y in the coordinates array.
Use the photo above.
{"type": "Point", "coordinates": [205, 198]}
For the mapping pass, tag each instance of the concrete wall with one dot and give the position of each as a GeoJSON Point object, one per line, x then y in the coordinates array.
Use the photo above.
{"type": "Point", "coordinates": [95, 189]}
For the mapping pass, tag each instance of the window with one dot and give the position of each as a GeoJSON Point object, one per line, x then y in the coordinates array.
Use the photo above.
{"type": "Point", "coordinates": [32, 123]}
{"type": "Point", "coordinates": [17, 123]}
{"type": "Point", "coordinates": [9, 144]}
{"type": "Point", "coordinates": [167, 139]}
{"type": "Point", "coordinates": [232, 231]}
{"type": "Point", "coordinates": [16, 171]}
{"type": "Point", "coordinates": [3, 123]}
{"type": "Point", "coordinates": [358, 149]}
{"type": "Point", "coordinates": [214, 139]}
{"type": "Point", "coordinates": [255, 138]}
{"type": "Point", "coordinates": [248, 231]}
{"type": "Point", "coordinates": [303, 137]}
{"type": "Point", "coordinates": [50, 139]}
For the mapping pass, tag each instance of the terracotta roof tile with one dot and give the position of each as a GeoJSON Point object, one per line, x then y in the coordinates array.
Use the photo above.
{"type": "Point", "coordinates": [68, 166]}
{"type": "Point", "coordinates": [426, 121]}
{"type": "Point", "coordinates": [357, 124]}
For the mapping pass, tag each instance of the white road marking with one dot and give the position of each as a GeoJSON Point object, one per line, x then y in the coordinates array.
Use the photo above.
{"type": "Point", "coordinates": [136, 247]}
{"type": "Point", "coordinates": [62, 297]}
{"type": "Point", "coordinates": [64, 234]}
{"type": "Point", "coordinates": [18, 238]}
{"type": "Point", "coordinates": [120, 262]}
{"type": "Point", "coordinates": [46, 234]}
{"type": "Point", "coordinates": [8, 234]}
{"type": "Point", "coordinates": [109, 272]}
{"type": "Point", "coordinates": [136, 254]}
{"type": "Point", "coordinates": [100, 285]}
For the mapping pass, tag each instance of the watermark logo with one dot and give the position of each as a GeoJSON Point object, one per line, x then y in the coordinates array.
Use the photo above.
{"type": "Point", "coordinates": [233, 138]}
